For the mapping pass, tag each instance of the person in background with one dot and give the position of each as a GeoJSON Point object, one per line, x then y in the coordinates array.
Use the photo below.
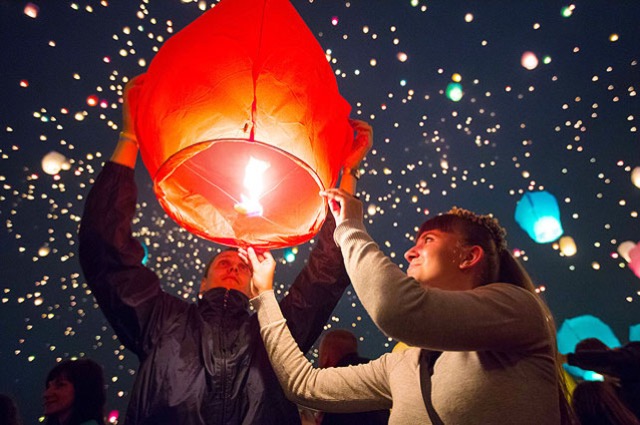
{"type": "Point", "coordinates": [202, 363]}
{"type": "Point", "coordinates": [339, 348]}
{"type": "Point", "coordinates": [596, 403]}
{"type": "Point", "coordinates": [75, 393]}
{"type": "Point", "coordinates": [622, 363]}
{"type": "Point", "coordinates": [9, 414]}
{"type": "Point", "coordinates": [483, 346]}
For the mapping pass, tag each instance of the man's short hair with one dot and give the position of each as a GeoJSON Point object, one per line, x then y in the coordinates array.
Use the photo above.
{"type": "Point", "coordinates": [208, 266]}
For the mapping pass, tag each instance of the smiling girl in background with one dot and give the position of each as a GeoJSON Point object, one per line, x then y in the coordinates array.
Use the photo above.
{"type": "Point", "coordinates": [75, 394]}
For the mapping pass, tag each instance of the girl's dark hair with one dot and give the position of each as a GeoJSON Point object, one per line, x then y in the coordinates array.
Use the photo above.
{"type": "Point", "coordinates": [87, 379]}
{"type": "Point", "coordinates": [596, 403]}
{"type": "Point", "coordinates": [9, 414]}
{"type": "Point", "coordinates": [499, 266]}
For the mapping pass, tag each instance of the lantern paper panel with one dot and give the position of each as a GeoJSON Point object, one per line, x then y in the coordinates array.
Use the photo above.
{"type": "Point", "coordinates": [539, 215]}
{"type": "Point", "coordinates": [624, 248]}
{"type": "Point", "coordinates": [634, 259]}
{"type": "Point", "coordinates": [246, 83]}
{"type": "Point", "coordinates": [634, 332]}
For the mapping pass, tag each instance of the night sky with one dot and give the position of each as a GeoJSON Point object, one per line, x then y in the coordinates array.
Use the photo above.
{"type": "Point", "coordinates": [568, 126]}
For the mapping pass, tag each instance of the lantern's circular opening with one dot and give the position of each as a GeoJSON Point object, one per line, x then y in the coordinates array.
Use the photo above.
{"type": "Point", "coordinates": [238, 192]}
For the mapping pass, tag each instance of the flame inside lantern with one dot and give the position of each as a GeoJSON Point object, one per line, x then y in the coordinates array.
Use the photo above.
{"type": "Point", "coordinates": [212, 176]}
{"type": "Point", "coordinates": [253, 182]}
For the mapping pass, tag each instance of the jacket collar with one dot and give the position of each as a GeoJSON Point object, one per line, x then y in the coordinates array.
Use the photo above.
{"type": "Point", "coordinates": [215, 298]}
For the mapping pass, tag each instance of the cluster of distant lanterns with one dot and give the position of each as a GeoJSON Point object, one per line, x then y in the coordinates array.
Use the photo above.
{"type": "Point", "coordinates": [538, 214]}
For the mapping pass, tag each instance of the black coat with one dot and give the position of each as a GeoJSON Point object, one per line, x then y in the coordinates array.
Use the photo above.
{"type": "Point", "coordinates": [201, 363]}
{"type": "Point", "coordinates": [622, 363]}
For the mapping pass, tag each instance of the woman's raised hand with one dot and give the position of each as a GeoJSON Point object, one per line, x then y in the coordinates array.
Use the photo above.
{"type": "Point", "coordinates": [263, 266]}
{"type": "Point", "coordinates": [343, 206]}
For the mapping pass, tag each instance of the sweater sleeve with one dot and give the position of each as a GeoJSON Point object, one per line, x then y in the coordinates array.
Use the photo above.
{"type": "Point", "coordinates": [491, 317]}
{"type": "Point", "coordinates": [341, 390]}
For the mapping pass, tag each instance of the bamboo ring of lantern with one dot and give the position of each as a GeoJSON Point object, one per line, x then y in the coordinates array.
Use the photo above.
{"type": "Point", "coordinates": [240, 125]}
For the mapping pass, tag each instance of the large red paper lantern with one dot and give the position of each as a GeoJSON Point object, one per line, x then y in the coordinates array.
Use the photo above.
{"type": "Point", "coordinates": [240, 125]}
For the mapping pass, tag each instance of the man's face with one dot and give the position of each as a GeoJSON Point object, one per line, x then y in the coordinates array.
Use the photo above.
{"type": "Point", "coordinates": [228, 271]}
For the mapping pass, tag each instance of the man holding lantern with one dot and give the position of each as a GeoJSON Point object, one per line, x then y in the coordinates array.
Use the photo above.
{"type": "Point", "coordinates": [201, 363]}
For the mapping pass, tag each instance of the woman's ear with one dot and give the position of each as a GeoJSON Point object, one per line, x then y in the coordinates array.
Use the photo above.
{"type": "Point", "coordinates": [471, 257]}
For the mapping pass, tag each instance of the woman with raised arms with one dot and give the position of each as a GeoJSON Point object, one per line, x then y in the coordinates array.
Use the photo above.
{"type": "Point", "coordinates": [483, 342]}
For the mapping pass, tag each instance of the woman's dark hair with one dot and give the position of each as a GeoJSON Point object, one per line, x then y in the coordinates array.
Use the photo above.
{"type": "Point", "coordinates": [596, 403]}
{"type": "Point", "coordinates": [87, 379]}
{"type": "Point", "coordinates": [9, 414]}
{"type": "Point", "coordinates": [499, 266]}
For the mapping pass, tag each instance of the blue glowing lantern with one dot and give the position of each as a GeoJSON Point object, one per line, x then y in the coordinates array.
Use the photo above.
{"type": "Point", "coordinates": [634, 332]}
{"type": "Point", "coordinates": [454, 92]}
{"type": "Point", "coordinates": [575, 330]}
{"type": "Point", "coordinates": [145, 259]}
{"type": "Point", "coordinates": [538, 214]}
{"type": "Point", "coordinates": [290, 254]}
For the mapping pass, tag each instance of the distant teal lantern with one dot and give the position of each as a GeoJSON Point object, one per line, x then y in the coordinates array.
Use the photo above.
{"type": "Point", "coordinates": [634, 332]}
{"type": "Point", "coordinates": [454, 92]}
{"type": "Point", "coordinates": [145, 259]}
{"type": "Point", "coordinates": [290, 254]}
{"type": "Point", "coordinates": [538, 214]}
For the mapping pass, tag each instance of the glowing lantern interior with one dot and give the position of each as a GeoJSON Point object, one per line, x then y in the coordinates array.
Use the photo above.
{"type": "Point", "coordinates": [538, 214]}
{"type": "Point", "coordinates": [240, 125]}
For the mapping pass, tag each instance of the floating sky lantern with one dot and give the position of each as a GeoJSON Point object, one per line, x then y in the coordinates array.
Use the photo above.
{"type": "Point", "coordinates": [568, 246]}
{"type": "Point", "coordinates": [539, 215]}
{"type": "Point", "coordinates": [240, 125]}
{"type": "Point", "coordinates": [113, 416]}
{"type": "Point", "coordinates": [31, 10]}
{"type": "Point", "coordinates": [529, 60]}
{"type": "Point", "coordinates": [567, 11]}
{"type": "Point", "coordinates": [92, 100]}
{"type": "Point", "coordinates": [634, 332]}
{"type": "Point", "coordinates": [634, 259]}
{"type": "Point", "coordinates": [44, 250]}
{"type": "Point", "coordinates": [624, 248]}
{"type": "Point", "coordinates": [635, 177]}
{"type": "Point", "coordinates": [454, 92]}
{"type": "Point", "coordinates": [290, 254]}
{"type": "Point", "coordinates": [578, 328]}
{"type": "Point", "coordinates": [145, 258]}
{"type": "Point", "coordinates": [54, 162]}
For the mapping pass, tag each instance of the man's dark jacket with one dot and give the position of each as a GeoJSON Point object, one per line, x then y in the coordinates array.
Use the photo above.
{"type": "Point", "coordinates": [201, 363]}
{"type": "Point", "coordinates": [622, 363]}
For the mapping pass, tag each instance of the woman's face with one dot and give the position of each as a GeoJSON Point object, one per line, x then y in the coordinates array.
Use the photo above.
{"type": "Point", "coordinates": [435, 260]}
{"type": "Point", "coordinates": [58, 397]}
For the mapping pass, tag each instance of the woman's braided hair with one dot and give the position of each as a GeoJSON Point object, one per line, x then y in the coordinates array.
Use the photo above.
{"type": "Point", "coordinates": [498, 233]}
